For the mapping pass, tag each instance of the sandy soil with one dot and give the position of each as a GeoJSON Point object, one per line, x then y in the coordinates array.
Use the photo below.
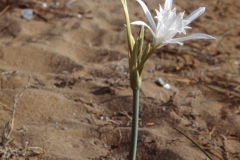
{"type": "Point", "coordinates": [78, 103]}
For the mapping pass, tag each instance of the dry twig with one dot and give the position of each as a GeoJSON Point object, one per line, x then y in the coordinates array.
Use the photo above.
{"type": "Point", "coordinates": [194, 143]}
{"type": "Point", "coordinates": [5, 8]}
{"type": "Point", "coordinates": [9, 126]}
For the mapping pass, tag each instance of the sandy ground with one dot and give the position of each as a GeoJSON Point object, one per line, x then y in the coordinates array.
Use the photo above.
{"type": "Point", "coordinates": [78, 103]}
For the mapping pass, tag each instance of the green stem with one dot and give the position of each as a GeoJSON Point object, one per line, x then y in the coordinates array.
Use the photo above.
{"type": "Point", "coordinates": [133, 146]}
{"type": "Point", "coordinates": [145, 58]}
{"type": "Point", "coordinates": [129, 33]}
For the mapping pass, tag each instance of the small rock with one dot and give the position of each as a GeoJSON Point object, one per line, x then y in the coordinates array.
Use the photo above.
{"type": "Point", "coordinates": [160, 82]}
{"type": "Point", "coordinates": [27, 14]}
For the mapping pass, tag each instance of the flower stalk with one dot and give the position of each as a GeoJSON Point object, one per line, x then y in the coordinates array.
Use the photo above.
{"type": "Point", "coordinates": [134, 134]}
{"type": "Point", "coordinates": [135, 56]}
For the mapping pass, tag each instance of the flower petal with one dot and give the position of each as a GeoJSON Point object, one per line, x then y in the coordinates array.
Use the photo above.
{"type": "Point", "coordinates": [148, 14]}
{"type": "Point", "coordinates": [194, 36]}
{"type": "Point", "coordinates": [141, 23]}
{"type": "Point", "coordinates": [173, 41]}
{"type": "Point", "coordinates": [168, 5]}
{"type": "Point", "coordinates": [194, 14]}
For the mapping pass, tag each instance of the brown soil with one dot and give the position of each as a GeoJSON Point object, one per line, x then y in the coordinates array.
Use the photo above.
{"type": "Point", "coordinates": [78, 104]}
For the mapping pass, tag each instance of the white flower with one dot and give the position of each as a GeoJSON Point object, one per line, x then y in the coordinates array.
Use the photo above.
{"type": "Point", "coordinates": [169, 24]}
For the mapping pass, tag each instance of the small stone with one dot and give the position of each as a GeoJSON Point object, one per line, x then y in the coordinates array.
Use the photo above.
{"type": "Point", "coordinates": [79, 15]}
{"type": "Point", "coordinates": [44, 5]}
{"type": "Point", "coordinates": [27, 14]}
{"type": "Point", "coordinates": [167, 86]}
{"type": "Point", "coordinates": [160, 82]}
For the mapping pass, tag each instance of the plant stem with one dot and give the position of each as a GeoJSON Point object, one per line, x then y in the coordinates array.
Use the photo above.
{"type": "Point", "coordinates": [133, 146]}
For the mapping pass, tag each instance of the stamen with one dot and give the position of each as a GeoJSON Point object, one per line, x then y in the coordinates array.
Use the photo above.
{"type": "Point", "coordinates": [168, 15]}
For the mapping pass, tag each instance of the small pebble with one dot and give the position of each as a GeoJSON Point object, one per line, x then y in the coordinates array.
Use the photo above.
{"type": "Point", "coordinates": [167, 86]}
{"type": "Point", "coordinates": [44, 5]}
{"type": "Point", "coordinates": [27, 14]}
{"type": "Point", "coordinates": [160, 82]}
{"type": "Point", "coordinates": [79, 15]}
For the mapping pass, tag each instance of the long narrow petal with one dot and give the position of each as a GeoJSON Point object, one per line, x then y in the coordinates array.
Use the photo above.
{"type": "Point", "coordinates": [168, 5]}
{"type": "Point", "coordinates": [173, 42]}
{"type": "Point", "coordinates": [148, 14]}
{"type": "Point", "coordinates": [194, 36]}
{"type": "Point", "coordinates": [194, 14]}
{"type": "Point", "coordinates": [141, 23]}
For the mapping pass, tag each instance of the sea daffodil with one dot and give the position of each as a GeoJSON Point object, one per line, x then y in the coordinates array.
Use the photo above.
{"type": "Point", "coordinates": [169, 24]}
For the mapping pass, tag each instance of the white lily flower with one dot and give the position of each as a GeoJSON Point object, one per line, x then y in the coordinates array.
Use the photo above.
{"type": "Point", "coordinates": [169, 24]}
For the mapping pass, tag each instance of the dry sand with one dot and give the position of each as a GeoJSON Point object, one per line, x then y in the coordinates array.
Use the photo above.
{"type": "Point", "coordinates": [78, 102]}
